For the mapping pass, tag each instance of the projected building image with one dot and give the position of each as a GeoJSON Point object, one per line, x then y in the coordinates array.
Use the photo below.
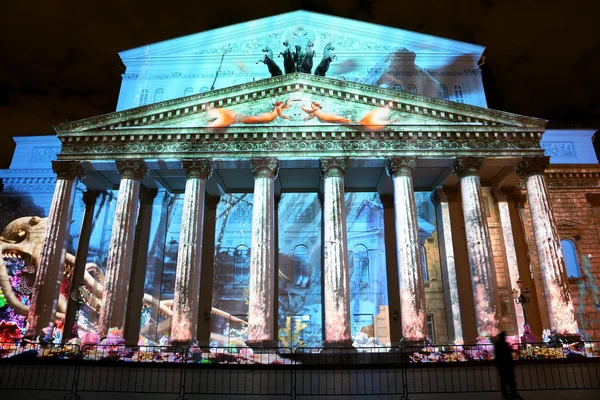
{"type": "Point", "coordinates": [354, 192]}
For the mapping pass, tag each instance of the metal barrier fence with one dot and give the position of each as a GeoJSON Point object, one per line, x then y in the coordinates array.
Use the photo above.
{"type": "Point", "coordinates": [239, 371]}
{"type": "Point", "coordinates": [282, 372]}
{"type": "Point", "coordinates": [34, 366]}
{"type": "Point", "coordinates": [349, 371]}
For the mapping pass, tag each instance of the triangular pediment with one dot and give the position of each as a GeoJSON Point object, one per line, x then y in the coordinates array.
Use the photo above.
{"type": "Point", "coordinates": [306, 102]}
{"type": "Point", "coordinates": [299, 27]}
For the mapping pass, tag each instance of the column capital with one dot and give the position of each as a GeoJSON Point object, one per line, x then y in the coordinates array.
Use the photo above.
{"type": "Point", "coordinates": [68, 169]}
{"type": "Point", "coordinates": [532, 166]}
{"type": "Point", "coordinates": [132, 169]}
{"type": "Point", "coordinates": [438, 196]}
{"type": "Point", "coordinates": [401, 166]}
{"type": "Point", "coordinates": [593, 198]}
{"type": "Point", "coordinates": [147, 195]}
{"type": "Point", "coordinates": [166, 197]}
{"type": "Point", "coordinates": [506, 193]}
{"type": "Point", "coordinates": [197, 168]}
{"type": "Point", "coordinates": [467, 166]}
{"type": "Point", "coordinates": [264, 167]}
{"type": "Point", "coordinates": [332, 167]}
{"type": "Point", "coordinates": [89, 198]}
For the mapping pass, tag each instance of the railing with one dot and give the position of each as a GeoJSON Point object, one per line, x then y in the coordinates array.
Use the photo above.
{"type": "Point", "coordinates": [281, 372]}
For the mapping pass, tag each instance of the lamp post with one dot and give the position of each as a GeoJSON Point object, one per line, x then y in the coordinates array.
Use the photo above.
{"type": "Point", "coordinates": [522, 297]}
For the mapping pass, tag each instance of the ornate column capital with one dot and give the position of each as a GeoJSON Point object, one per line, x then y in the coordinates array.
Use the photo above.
{"type": "Point", "coordinates": [505, 193]}
{"type": "Point", "coordinates": [332, 167]}
{"type": "Point", "coordinates": [467, 166]}
{"type": "Point", "coordinates": [197, 168]}
{"type": "Point", "coordinates": [438, 196]}
{"type": "Point", "coordinates": [401, 166]}
{"type": "Point", "coordinates": [532, 166]}
{"type": "Point", "coordinates": [132, 169]}
{"type": "Point", "coordinates": [593, 198]}
{"type": "Point", "coordinates": [264, 167]}
{"type": "Point", "coordinates": [147, 195]}
{"type": "Point", "coordinates": [68, 169]}
{"type": "Point", "coordinates": [89, 198]}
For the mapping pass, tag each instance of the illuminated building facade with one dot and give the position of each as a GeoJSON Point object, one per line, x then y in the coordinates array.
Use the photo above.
{"type": "Point", "coordinates": [236, 197]}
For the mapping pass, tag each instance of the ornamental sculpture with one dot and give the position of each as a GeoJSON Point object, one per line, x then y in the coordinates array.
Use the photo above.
{"type": "Point", "coordinates": [296, 60]}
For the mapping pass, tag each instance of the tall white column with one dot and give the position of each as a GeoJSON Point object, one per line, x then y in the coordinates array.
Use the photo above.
{"type": "Point", "coordinates": [547, 243]}
{"type": "Point", "coordinates": [410, 268]}
{"type": "Point", "coordinates": [120, 253]}
{"type": "Point", "coordinates": [189, 257]}
{"type": "Point", "coordinates": [479, 247]}
{"type": "Point", "coordinates": [451, 299]}
{"type": "Point", "coordinates": [261, 305]}
{"type": "Point", "coordinates": [501, 196]}
{"type": "Point", "coordinates": [335, 247]}
{"type": "Point", "coordinates": [48, 277]}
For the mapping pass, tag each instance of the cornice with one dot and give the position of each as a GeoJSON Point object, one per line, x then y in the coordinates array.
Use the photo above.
{"type": "Point", "coordinates": [284, 85]}
{"type": "Point", "coordinates": [297, 143]}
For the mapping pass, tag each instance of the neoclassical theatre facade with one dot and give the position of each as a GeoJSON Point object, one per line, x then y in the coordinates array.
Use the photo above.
{"type": "Point", "coordinates": [302, 180]}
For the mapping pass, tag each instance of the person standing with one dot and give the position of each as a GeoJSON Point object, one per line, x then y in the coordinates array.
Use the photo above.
{"type": "Point", "coordinates": [506, 367]}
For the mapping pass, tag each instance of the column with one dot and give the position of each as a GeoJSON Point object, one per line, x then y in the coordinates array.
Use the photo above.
{"type": "Point", "coordinates": [501, 195]}
{"type": "Point", "coordinates": [391, 266]}
{"type": "Point", "coordinates": [89, 200]}
{"type": "Point", "coordinates": [479, 247]}
{"type": "Point", "coordinates": [206, 280]}
{"type": "Point", "coordinates": [547, 243]}
{"type": "Point", "coordinates": [139, 264]}
{"type": "Point", "coordinates": [48, 276]}
{"type": "Point", "coordinates": [335, 261]}
{"type": "Point", "coordinates": [410, 270]}
{"type": "Point", "coordinates": [120, 252]}
{"type": "Point", "coordinates": [261, 306]}
{"type": "Point", "coordinates": [189, 256]}
{"type": "Point", "coordinates": [451, 299]}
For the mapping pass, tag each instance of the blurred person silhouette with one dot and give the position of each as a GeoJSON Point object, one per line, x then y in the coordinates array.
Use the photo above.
{"type": "Point", "coordinates": [506, 367]}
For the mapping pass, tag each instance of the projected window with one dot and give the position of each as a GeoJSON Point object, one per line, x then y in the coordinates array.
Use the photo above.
{"type": "Point", "coordinates": [204, 89]}
{"type": "Point", "coordinates": [143, 97]}
{"type": "Point", "coordinates": [188, 91]}
{"type": "Point", "coordinates": [159, 94]}
{"type": "Point", "coordinates": [571, 262]}
{"type": "Point", "coordinates": [301, 275]}
{"type": "Point", "coordinates": [430, 328]}
{"type": "Point", "coordinates": [412, 89]}
{"type": "Point", "coordinates": [361, 263]}
{"type": "Point", "coordinates": [398, 88]}
{"type": "Point", "coordinates": [364, 323]}
{"type": "Point", "coordinates": [443, 92]}
{"type": "Point", "coordinates": [241, 264]}
{"type": "Point", "coordinates": [458, 94]}
{"type": "Point", "coordinates": [424, 264]}
{"type": "Point", "coordinates": [300, 328]}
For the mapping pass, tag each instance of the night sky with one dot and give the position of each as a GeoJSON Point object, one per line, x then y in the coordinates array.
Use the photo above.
{"type": "Point", "coordinates": [59, 59]}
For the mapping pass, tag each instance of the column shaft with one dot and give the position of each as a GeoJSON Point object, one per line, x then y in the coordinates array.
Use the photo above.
{"type": "Point", "coordinates": [451, 299]}
{"type": "Point", "coordinates": [412, 288]}
{"type": "Point", "coordinates": [189, 256]}
{"type": "Point", "coordinates": [511, 254]}
{"type": "Point", "coordinates": [120, 253]}
{"type": "Point", "coordinates": [48, 276]}
{"type": "Point", "coordinates": [479, 248]}
{"type": "Point", "coordinates": [335, 246]}
{"type": "Point", "coordinates": [549, 251]}
{"type": "Point", "coordinates": [89, 199]}
{"type": "Point", "coordinates": [261, 306]}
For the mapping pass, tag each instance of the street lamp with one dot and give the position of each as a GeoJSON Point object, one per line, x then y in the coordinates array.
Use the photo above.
{"type": "Point", "coordinates": [522, 297]}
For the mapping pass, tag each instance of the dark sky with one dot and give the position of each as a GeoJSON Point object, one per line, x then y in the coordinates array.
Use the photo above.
{"type": "Point", "coordinates": [59, 58]}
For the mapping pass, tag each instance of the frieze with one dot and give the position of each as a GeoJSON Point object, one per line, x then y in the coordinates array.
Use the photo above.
{"type": "Point", "coordinates": [29, 188]}
{"type": "Point", "coordinates": [550, 182]}
{"type": "Point", "coordinates": [562, 149]}
{"type": "Point", "coordinates": [295, 147]}
{"type": "Point", "coordinates": [44, 154]}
